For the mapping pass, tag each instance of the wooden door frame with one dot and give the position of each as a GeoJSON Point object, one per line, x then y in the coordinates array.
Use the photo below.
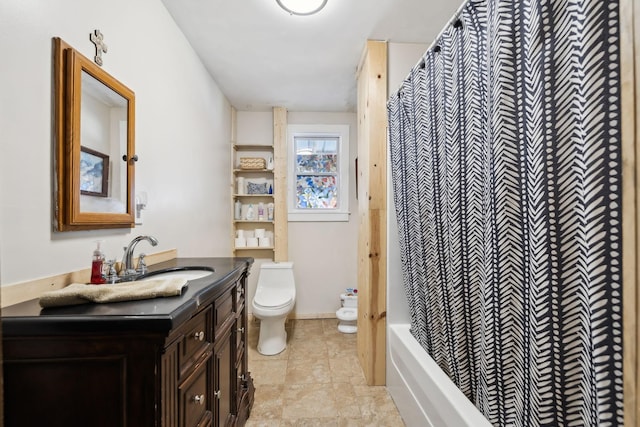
{"type": "Point", "coordinates": [372, 211]}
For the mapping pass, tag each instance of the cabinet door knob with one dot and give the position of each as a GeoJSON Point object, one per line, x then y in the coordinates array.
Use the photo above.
{"type": "Point", "coordinates": [199, 398]}
{"type": "Point", "coordinates": [217, 394]}
{"type": "Point", "coordinates": [199, 336]}
{"type": "Point", "coordinates": [241, 330]}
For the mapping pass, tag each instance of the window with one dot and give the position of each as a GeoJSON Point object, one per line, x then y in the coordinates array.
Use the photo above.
{"type": "Point", "coordinates": [318, 172]}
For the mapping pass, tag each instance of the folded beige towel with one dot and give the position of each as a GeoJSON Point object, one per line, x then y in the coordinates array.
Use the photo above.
{"type": "Point", "coordinates": [80, 293]}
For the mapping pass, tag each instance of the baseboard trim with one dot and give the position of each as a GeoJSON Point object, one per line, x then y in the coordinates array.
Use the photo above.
{"type": "Point", "coordinates": [301, 316]}
{"type": "Point", "coordinates": [306, 316]}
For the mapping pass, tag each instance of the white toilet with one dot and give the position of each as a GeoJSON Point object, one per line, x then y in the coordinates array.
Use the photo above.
{"type": "Point", "coordinates": [348, 313]}
{"type": "Point", "coordinates": [273, 301]}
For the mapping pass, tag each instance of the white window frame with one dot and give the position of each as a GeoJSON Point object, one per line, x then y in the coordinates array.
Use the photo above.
{"type": "Point", "coordinates": [341, 213]}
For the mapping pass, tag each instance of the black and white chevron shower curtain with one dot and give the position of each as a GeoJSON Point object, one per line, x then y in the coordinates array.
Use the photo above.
{"type": "Point", "coordinates": [505, 151]}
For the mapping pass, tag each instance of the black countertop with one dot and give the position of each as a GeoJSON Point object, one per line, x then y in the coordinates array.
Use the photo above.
{"type": "Point", "coordinates": [153, 315]}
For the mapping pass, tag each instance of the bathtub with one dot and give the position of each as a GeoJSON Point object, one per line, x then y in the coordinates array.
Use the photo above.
{"type": "Point", "coordinates": [424, 395]}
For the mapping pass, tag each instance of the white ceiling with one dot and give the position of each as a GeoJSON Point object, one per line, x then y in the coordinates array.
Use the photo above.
{"type": "Point", "coordinates": [261, 56]}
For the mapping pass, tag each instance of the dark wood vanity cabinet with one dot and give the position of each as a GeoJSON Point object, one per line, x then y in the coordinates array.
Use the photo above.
{"type": "Point", "coordinates": [165, 362]}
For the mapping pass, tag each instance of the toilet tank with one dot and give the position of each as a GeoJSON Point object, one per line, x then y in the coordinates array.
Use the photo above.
{"type": "Point", "coordinates": [276, 275]}
{"type": "Point", "coordinates": [349, 300]}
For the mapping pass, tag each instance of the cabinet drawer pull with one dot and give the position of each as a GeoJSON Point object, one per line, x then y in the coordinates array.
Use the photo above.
{"type": "Point", "coordinates": [242, 377]}
{"type": "Point", "coordinates": [241, 330]}
{"type": "Point", "coordinates": [199, 398]}
{"type": "Point", "coordinates": [199, 336]}
{"type": "Point", "coordinates": [217, 394]}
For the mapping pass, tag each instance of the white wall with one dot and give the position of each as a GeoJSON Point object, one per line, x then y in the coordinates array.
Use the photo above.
{"type": "Point", "coordinates": [182, 134]}
{"type": "Point", "coordinates": [324, 253]}
{"type": "Point", "coordinates": [402, 58]}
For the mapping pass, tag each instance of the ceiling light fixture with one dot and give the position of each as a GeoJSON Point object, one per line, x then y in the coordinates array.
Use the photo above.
{"type": "Point", "coordinates": [302, 7]}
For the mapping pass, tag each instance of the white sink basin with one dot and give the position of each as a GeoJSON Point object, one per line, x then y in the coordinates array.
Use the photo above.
{"type": "Point", "coordinates": [180, 274]}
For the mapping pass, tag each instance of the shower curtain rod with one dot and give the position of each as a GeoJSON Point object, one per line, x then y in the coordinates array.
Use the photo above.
{"type": "Point", "coordinates": [449, 23]}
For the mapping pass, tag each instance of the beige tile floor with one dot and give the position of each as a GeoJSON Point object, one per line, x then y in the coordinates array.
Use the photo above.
{"type": "Point", "coordinates": [315, 381]}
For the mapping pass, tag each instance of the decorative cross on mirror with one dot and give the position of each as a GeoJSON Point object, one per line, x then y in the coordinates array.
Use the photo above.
{"type": "Point", "coordinates": [97, 39]}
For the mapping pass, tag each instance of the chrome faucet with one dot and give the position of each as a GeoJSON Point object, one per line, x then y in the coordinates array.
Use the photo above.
{"type": "Point", "coordinates": [128, 269]}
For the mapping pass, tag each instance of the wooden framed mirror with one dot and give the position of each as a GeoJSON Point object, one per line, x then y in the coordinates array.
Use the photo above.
{"type": "Point", "coordinates": [95, 147]}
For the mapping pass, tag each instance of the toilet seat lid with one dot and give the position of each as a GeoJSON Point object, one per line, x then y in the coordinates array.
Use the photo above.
{"type": "Point", "coordinates": [273, 298]}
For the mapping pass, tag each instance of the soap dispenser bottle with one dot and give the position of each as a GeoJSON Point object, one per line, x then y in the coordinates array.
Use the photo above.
{"type": "Point", "coordinates": [97, 262]}
{"type": "Point", "coordinates": [270, 208]}
{"type": "Point", "coordinates": [250, 213]}
{"type": "Point", "coordinates": [260, 211]}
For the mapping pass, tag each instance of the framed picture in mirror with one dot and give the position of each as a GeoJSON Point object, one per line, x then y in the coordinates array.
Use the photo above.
{"type": "Point", "coordinates": [94, 173]}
